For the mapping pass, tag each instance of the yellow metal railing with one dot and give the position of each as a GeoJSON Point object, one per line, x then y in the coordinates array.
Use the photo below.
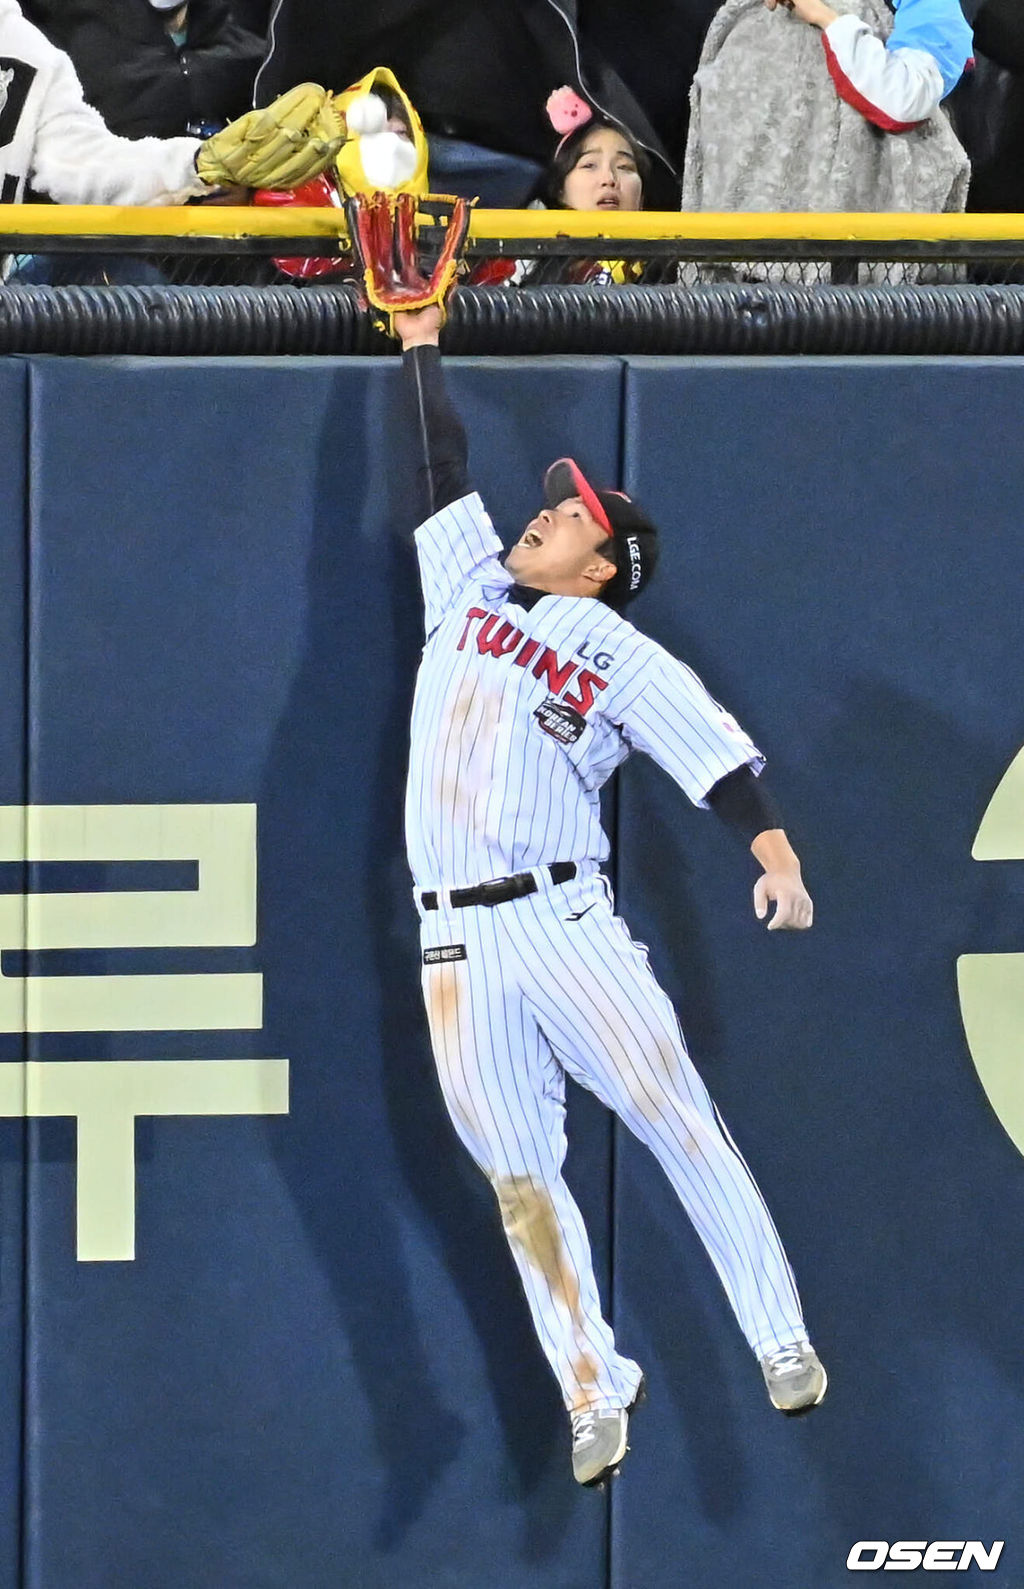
{"type": "Point", "coordinates": [101, 220]}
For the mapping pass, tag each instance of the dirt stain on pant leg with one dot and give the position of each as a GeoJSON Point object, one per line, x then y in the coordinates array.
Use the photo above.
{"type": "Point", "coordinates": [662, 1108]}
{"type": "Point", "coordinates": [531, 1225]}
{"type": "Point", "coordinates": [442, 999]}
{"type": "Point", "coordinates": [441, 994]}
{"type": "Point", "coordinates": [655, 1093]}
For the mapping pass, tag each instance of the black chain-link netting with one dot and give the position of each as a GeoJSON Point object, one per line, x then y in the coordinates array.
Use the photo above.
{"type": "Point", "coordinates": [301, 262]}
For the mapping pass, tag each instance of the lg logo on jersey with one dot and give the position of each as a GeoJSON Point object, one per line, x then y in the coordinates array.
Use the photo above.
{"type": "Point", "coordinates": [602, 660]}
{"type": "Point", "coordinates": [907, 1555]}
{"type": "Point", "coordinates": [209, 903]}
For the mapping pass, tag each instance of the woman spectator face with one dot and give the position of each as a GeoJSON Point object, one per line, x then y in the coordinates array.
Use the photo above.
{"type": "Point", "coordinates": [604, 174]}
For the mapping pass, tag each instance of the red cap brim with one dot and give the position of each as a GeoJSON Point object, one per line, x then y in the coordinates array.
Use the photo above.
{"type": "Point", "coordinates": [564, 480]}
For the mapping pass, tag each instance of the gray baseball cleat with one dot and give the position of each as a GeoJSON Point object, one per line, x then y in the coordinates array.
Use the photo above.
{"type": "Point", "coordinates": [599, 1443]}
{"type": "Point", "coordinates": [600, 1437]}
{"type": "Point", "coordinates": [795, 1378]}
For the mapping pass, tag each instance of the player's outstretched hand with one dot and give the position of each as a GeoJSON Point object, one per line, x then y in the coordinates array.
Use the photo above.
{"type": "Point", "coordinates": [793, 907]}
{"type": "Point", "coordinates": [419, 327]}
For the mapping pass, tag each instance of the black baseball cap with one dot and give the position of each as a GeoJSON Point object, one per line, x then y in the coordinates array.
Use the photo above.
{"type": "Point", "coordinates": [635, 537]}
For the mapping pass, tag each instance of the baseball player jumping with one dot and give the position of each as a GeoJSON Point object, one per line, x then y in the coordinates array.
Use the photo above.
{"type": "Point", "coordinates": [532, 689]}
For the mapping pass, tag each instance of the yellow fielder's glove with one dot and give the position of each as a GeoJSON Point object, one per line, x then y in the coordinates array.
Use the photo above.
{"type": "Point", "coordinates": [288, 142]}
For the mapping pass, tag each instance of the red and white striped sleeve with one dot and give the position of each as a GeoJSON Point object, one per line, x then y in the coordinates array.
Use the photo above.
{"type": "Point", "coordinates": [895, 89]}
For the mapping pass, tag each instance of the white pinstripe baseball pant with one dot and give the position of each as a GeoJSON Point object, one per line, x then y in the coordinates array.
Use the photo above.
{"type": "Point", "coordinates": [551, 984]}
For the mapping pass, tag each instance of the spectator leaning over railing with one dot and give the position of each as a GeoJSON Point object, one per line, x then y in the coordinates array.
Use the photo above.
{"type": "Point", "coordinates": [779, 123]}
{"type": "Point", "coordinates": [50, 138]}
{"type": "Point", "coordinates": [386, 152]}
{"type": "Point", "coordinates": [478, 72]}
{"type": "Point", "coordinates": [598, 165]}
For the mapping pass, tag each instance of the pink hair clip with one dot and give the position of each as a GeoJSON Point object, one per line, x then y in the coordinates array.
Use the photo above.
{"type": "Point", "coordinates": [566, 110]}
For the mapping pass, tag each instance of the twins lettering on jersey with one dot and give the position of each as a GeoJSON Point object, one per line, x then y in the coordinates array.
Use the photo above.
{"type": "Point", "coordinates": [562, 714]}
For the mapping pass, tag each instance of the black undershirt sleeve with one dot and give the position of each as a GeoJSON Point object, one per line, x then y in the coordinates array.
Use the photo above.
{"type": "Point", "coordinates": [441, 449]}
{"type": "Point", "coordinates": [745, 803]}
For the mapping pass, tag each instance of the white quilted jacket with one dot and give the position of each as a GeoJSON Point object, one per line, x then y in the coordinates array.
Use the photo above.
{"type": "Point", "coordinates": [50, 138]}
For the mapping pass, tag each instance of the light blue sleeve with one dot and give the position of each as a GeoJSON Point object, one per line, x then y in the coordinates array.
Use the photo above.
{"type": "Point", "coordinates": [938, 27]}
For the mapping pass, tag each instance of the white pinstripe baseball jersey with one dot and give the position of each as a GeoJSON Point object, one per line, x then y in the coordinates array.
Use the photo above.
{"type": "Point", "coordinates": [523, 711]}
{"type": "Point", "coordinates": [525, 704]}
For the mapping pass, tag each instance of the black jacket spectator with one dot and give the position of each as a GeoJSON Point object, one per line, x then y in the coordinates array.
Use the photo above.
{"type": "Point", "coordinates": [253, 14]}
{"type": "Point", "coordinates": [139, 80]}
{"type": "Point", "coordinates": [636, 64]}
{"type": "Point", "coordinates": [988, 106]}
{"type": "Point", "coordinates": [999, 32]}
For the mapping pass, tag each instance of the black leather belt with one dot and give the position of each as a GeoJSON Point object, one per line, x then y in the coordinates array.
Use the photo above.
{"type": "Point", "coordinates": [500, 889]}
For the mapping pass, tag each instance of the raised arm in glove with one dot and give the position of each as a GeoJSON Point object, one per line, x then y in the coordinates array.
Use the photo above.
{"type": "Point", "coordinates": [288, 142]}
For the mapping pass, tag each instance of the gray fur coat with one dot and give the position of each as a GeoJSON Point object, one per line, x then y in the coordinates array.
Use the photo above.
{"type": "Point", "coordinates": [769, 132]}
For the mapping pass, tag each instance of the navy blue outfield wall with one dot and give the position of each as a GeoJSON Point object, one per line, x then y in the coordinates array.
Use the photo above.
{"type": "Point", "coordinates": [258, 1327]}
{"type": "Point", "coordinates": [13, 593]}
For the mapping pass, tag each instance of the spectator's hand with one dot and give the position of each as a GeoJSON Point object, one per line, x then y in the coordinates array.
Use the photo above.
{"type": "Point", "coordinates": [813, 11]}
